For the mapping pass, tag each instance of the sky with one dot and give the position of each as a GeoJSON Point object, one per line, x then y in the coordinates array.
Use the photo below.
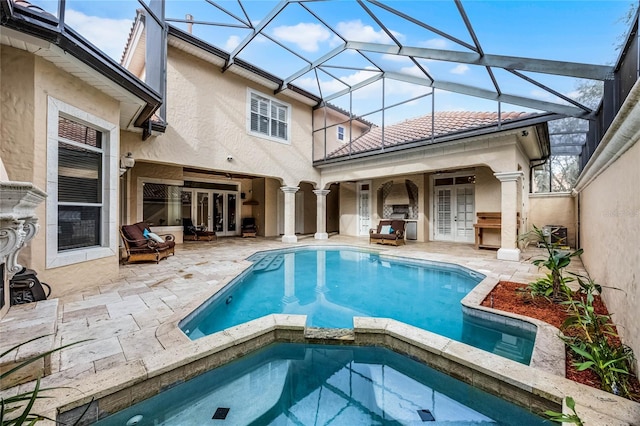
{"type": "Point", "coordinates": [573, 31]}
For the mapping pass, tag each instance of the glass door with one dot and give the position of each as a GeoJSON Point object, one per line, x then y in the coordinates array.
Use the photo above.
{"type": "Point", "coordinates": [444, 218]}
{"type": "Point", "coordinates": [454, 208]}
{"type": "Point", "coordinates": [203, 209]}
{"type": "Point", "coordinates": [225, 213]}
{"type": "Point", "coordinates": [364, 208]}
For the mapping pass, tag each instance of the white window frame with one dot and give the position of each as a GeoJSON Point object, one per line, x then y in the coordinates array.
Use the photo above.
{"type": "Point", "coordinates": [272, 100]}
{"type": "Point", "coordinates": [110, 177]}
{"type": "Point", "coordinates": [339, 134]}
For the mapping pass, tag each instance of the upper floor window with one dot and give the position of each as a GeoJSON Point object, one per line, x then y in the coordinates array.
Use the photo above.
{"type": "Point", "coordinates": [341, 133]}
{"type": "Point", "coordinates": [269, 118]}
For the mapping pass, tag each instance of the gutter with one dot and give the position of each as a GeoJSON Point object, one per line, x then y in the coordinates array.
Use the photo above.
{"type": "Point", "coordinates": [45, 27]}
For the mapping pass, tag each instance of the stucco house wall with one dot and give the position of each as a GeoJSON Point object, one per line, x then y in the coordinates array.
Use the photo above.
{"type": "Point", "coordinates": [27, 83]}
{"type": "Point", "coordinates": [554, 209]}
{"type": "Point", "coordinates": [207, 113]}
{"type": "Point", "coordinates": [325, 136]}
{"type": "Point", "coordinates": [609, 229]}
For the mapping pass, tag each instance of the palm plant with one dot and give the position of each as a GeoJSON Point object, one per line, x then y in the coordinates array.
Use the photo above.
{"type": "Point", "coordinates": [555, 262]}
{"type": "Point", "coordinates": [16, 410]}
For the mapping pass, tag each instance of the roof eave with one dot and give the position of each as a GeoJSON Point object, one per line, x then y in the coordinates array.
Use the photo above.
{"type": "Point", "coordinates": [538, 121]}
{"type": "Point", "coordinates": [46, 28]}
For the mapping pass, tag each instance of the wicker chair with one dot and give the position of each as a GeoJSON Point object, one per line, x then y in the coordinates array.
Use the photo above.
{"type": "Point", "coordinates": [140, 248]}
{"type": "Point", "coordinates": [389, 232]}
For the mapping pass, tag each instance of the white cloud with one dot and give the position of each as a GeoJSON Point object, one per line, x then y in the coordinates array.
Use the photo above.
{"type": "Point", "coordinates": [332, 86]}
{"type": "Point", "coordinates": [357, 31]}
{"type": "Point", "coordinates": [109, 35]}
{"type": "Point", "coordinates": [305, 35]}
{"type": "Point", "coordinates": [396, 58]}
{"type": "Point", "coordinates": [231, 43]}
{"type": "Point", "coordinates": [540, 94]}
{"type": "Point", "coordinates": [435, 43]}
{"type": "Point", "coordinates": [460, 69]}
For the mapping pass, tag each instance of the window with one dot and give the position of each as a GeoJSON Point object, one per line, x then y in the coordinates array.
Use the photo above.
{"type": "Point", "coordinates": [341, 133]}
{"type": "Point", "coordinates": [81, 158]}
{"type": "Point", "coordinates": [269, 118]}
{"type": "Point", "coordinates": [161, 205]}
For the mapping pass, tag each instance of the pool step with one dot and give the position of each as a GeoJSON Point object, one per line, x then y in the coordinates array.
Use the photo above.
{"type": "Point", "coordinates": [269, 263]}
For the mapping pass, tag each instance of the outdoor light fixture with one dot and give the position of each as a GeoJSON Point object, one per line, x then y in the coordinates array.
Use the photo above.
{"type": "Point", "coordinates": [126, 162]}
{"type": "Point", "coordinates": [525, 133]}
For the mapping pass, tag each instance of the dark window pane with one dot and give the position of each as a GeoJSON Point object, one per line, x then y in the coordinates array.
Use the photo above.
{"type": "Point", "coordinates": [78, 226]}
{"type": "Point", "coordinates": [79, 175]}
{"type": "Point", "coordinates": [444, 181]}
{"type": "Point", "coordinates": [461, 180]}
{"type": "Point", "coordinates": [161, 204]}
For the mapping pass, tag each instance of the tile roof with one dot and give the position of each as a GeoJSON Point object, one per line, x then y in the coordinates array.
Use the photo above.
{"type": "Point", "coordinates": [419, 129]}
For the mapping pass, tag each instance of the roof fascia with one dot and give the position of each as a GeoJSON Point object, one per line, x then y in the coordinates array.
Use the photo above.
{"type": "Point", "coordinates": [203, 45]}
{"type": "Point", "coordinates": [538, 121]}
{"type": "Point", "coordinates": [68, 40]}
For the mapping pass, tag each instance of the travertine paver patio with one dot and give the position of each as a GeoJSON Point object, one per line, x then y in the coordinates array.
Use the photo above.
{"type": "Point", "coordinates": [122, 316]}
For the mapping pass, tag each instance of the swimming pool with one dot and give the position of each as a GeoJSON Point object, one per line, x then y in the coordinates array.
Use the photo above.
{"type": "Point", "coordinates": [332, 285]}
{"type": "Point", "coordinates": [298, 384]}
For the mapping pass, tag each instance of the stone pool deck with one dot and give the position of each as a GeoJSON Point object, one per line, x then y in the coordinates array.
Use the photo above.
{"type": "Point", "coordinates": [131, 322]}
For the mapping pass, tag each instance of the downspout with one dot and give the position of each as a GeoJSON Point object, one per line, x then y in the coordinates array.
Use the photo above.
{"type": "Point", "coordinates": [533, 166]}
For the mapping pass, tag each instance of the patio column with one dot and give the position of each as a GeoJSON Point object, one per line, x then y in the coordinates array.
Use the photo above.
{"type": "Point", "coordinates": [509, 207]}
{"type": "Point", "coordinates": [289, 214]}
{"type": "Point", "coordinates": [321, 214]}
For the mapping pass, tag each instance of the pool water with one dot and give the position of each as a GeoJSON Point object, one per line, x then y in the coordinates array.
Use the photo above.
{"type": "Point", "coordinates": [295, 384]}
{"type": "Point", "coordinates": [331, 286]}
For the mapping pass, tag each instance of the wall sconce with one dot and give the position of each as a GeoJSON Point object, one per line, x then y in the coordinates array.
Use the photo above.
{"type": "Point", "coordinates": [126, 162]}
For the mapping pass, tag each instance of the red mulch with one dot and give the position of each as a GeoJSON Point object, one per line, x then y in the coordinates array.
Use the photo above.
{"type": "Point", "coordinates": [508, 296]}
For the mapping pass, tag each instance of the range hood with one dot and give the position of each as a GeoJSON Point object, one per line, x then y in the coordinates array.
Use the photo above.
{"type": "Point", "coordinates": [398, 195]}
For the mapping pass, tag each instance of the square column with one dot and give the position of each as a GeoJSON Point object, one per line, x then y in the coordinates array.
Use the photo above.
{"type": "Point", "coordinates": [289, 214]}
{"type": "Point", "coordinates": [321, 214]}
{"type": "Point", "coordinates": [509, 210]}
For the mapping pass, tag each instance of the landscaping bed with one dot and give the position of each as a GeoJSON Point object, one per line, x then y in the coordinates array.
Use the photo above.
{"type": "Point", "coordinates": [512, 297]}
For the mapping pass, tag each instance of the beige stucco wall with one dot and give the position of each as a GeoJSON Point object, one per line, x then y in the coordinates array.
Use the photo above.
{"type": "Point", "coordinates": [26, 83]}
{"type": "Point", "coordinates": [333, 208]}
{"type": "Point", "coordinates": [325, 121]}
{"type": "Point", "coordinates": [207, 116]}
{"type": "Point", "coordinates": [497, 152]}
{"type": "Point", "coordinates": [609, 229]}
{"type": "Point", "coordinates": [348, 209]}
{"type": "Point", "coordinates": [554, 209]}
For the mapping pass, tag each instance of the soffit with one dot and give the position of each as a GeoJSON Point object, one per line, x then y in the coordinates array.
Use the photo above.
{"type": "Point", "coordinates": [130, 105]}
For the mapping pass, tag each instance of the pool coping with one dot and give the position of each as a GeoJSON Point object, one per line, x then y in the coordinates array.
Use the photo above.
{"type": "Point", "coordinates": [544, 387]}
{"type": "Point", "coordinates": [526, 386]}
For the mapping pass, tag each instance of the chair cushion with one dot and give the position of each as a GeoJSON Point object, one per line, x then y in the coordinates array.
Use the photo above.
{"type": "Point", "coordinates": [135, 235]}
{"type": "Point", "coordinates": [385, 229]}
{"type": "Point", "coordinates": [155, 237]}
{"type": "Point", "coordinates": [398, 225]}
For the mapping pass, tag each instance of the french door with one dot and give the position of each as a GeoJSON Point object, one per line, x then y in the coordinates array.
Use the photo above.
{"type": "Point", "coordinates": [213, 210]}
{"type": "Point", "coordinates": [454, 213]}
{"type": "Point", "coordinates": [364, 208]}
{"type": "Point", "coordinates": [225, 213]}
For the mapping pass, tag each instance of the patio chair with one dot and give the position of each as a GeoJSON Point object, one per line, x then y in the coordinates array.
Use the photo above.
{"type": "Point", "coordinates": [249, 227]}
{"type": "Point", "coordinates": [143, 245]}
{"type": "Point", "coordinates": [389, 231]}
{"type": "Point", "coordinates": [195, 233]}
